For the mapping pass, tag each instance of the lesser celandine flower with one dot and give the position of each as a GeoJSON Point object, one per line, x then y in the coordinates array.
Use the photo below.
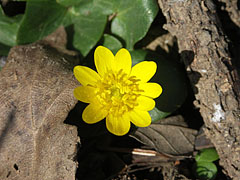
{"type": "Point", "coordinates": [118, 92]}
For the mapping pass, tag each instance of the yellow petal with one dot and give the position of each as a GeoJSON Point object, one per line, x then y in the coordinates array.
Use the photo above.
{"type": "Point", "coordinates": [152, 90]}
{"type": "Point", "coordinates": [85, 94]}
{"type": "Point", "coordinates": [140, 118]}
{"type": "Point", "coordinates": [145, 103]}
{"type": "Point", "coordinates": [144, 70]}
{"type": "Point", "coordinates": [85, 75]}
{"type": "Point", "coordinates": [123, 61]}
{"type": "Point", "coordinates": [118, 125]}
{"type": "Point", "coordinates": [104, 60]}
{"type": "Point", "coordinates": [93, 113]}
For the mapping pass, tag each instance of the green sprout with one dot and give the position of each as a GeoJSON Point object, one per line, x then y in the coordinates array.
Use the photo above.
{"type": "Point", "coordinates": [204, 168]}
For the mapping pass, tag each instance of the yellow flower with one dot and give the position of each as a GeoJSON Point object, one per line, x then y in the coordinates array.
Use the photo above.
{"type": "Point", "coordinates": [118, 92]}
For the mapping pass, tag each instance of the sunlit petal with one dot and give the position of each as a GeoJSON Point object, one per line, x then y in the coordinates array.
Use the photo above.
{"type": "Point", "coordinates": [152, 90]}
{"type": "Point", "coordinates": [85, 75]}
{"type": "Point", "coordinates": [118, 125]}
{"type": "Point", "coordinates": [85, 94]}
{"type": "Point", "coordinates": [104, 60]}
{"type": "Point", "coordinates": [144, 70]}
{"type": "Point", "coordinates": [94, 113]}
{"type": "Point", "coordinates": [116, 91]}
{"type": "Point", "coordinates": [145, 103]}
{"type": "Point", "coordinates": [123, 61]}
{"type": "Point", "coordinates": [140, 118]}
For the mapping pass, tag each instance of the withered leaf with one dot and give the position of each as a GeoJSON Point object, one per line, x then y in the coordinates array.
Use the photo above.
{"type": "Point", "coordinates": [169, 136]}
{"type": "Point", "coordinates": [201, 141]}
{"type": "Point", "coordinates": [36, 94]}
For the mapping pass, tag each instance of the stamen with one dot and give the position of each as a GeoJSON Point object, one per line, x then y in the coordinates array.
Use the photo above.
{"type": "Point", "coordinates": [118, 93]}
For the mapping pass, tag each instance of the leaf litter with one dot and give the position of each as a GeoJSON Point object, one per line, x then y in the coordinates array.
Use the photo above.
{"type": "Point", "coordinates": [36, 96]}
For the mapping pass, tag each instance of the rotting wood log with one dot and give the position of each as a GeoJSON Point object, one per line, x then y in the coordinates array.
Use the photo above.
{"type": "Point", "coordinates": [204, 51]}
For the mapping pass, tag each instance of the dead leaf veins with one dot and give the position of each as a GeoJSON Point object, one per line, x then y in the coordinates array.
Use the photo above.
{"type": "Point", "coordinates": [36, 95]}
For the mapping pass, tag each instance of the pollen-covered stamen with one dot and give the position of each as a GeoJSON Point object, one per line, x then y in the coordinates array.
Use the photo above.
{"type": "Point", "coordinates": [118, 92]}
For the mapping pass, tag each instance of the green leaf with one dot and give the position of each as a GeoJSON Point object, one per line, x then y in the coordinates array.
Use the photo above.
{"type": "Point", "coordinates": [86, 23]}
{"type": "Point", "coordinates": [4, 49]}
{"type": "Point", "coordinates": [156, 114]}
{"type": "Point", "coordinates": [138, 56]}
{"type": "Point", "coordinates": [206, 170]}
{"type": "Point", "coordinates": [106, 7]}
{"type": "Point", "coordinates": [68, 3]}
{"type": "Point", "coordinates": [133, 19]}
{"type": "Point", "coordinates": [41, 18]}
{"type": "Point", "coordinates": [207, 155]}
{"type": "Point", "coordinates": [170, 75]}
{"type": "Point", "coordinates": [111, 43]}
{"type": "Point", "coordinates": [8, 28]}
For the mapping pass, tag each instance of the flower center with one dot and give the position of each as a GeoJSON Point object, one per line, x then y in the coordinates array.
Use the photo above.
{"type": "Point", "coordinates": [118, 92]}
{"type": "Point", "coordinates": [115, 91]}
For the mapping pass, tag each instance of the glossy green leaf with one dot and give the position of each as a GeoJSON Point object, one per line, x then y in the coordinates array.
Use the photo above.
{"type": "Point", "coordinates": [156, 114]}
{"type": "Point", "coordinates": [9, 28]}
{"type": "Point", "coordinates": [205, 170]}
{"type": "Point", "coordinates": [133, 19]}
{"type": "Point", "coordinates": [68, 3]}
{"type": "Point", "coordinates": [107, 7]}
{"type": "Point", "coordinates": [86, 23]}
{"type": "Point", "coordinates": [111, 43]}
{"type": "Point", "coordinates": [170, 75]}
{"type": "Point", "coordinates": [207, 155]}
{"type": "Point", "coordinates": [41, 18]}
{"type": "Point", "coordinates": [138, 56]}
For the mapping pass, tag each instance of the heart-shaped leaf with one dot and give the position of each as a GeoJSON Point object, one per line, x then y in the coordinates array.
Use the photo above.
{"type": "Point", "coordinates": [9, 28]}
{"type": "Point", "coordinates": [206, 170]}
{"type": "Point", "coordinates": [85, 22]}
{"type": "Point", "coordinates": [207, 155]}
{"type": "Point", "coordinates": [40, 19]}
{"type": "Point", "coordinates": [36, 95]}
{"type": "Point", "coordinates": [111, 43]}
{"type": "Point", "coordinates": [133, 19]}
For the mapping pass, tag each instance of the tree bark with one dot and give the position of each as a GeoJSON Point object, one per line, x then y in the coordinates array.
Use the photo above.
{"type": "Point", "coordinates": [232, 9]}
{"type": "Point", "coordinates": [204, 51]}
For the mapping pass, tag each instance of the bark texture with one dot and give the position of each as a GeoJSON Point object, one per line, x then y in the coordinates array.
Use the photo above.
{"type": "Point", "coordinates": [232, 9]}
{"type": "Point", "coordinates": [204, 51]}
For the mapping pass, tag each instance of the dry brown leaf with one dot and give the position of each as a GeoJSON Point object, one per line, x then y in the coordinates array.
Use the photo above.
{"type": "Point", "coordinates": [36, 94]}
{"type": "Point", "coordinates": [201, 141]}
{"type": "Point", "coordinates": [170, 136]}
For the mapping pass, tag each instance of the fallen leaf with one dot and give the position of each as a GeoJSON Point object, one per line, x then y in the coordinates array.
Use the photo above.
{"type": "Point", "coordinates": [170, 136]}
{"type": "Point", "coordinates": [201, 141]}
{"type": "Point", "coordinates": [36, 95]}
